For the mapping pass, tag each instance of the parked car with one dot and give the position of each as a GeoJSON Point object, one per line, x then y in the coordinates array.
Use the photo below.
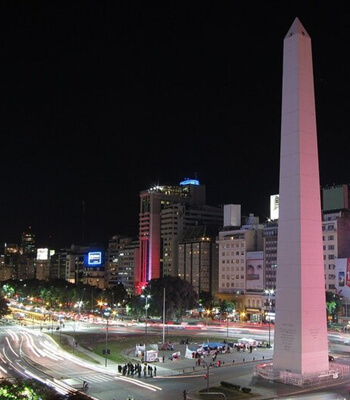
{"type": "Point", "coordinates": [330, 358]}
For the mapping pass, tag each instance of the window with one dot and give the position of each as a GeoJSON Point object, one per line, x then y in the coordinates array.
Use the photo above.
{"type": "Point", "coordinates": [331, 247]}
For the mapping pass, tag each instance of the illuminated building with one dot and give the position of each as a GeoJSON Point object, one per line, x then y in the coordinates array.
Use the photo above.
{"type": "Point", "coordinates": [165, 213]}
{"type": "Point", "coordinates": [122, 260]}
{"type": "Point", "coordinates": [198, 259]}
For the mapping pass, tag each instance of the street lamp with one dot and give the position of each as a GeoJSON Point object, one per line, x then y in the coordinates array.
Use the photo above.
{"type": "Point", "coordinates": [269, 292]}
{"type": "Point", "coordinates": [146, 308]}
{"type": "Point", "coordinates": [106, 346]}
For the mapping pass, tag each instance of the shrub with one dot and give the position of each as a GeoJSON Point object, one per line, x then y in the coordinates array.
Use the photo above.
{"type": "Point", "coordinates": [230, 385]}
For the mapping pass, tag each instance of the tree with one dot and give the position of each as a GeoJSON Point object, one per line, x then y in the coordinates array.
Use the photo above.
{"type": "Point", "coordinates": [333, 304]}
{"type": "Point", "coordinates": [4, 308]}
{"type": "Point", "coordinates": [179, 296]}
{"type": "Point", "coordinates": [29, 389]}
{"type": "Point", "coordinates": [227, 307]}
{"type": "Point", "coordinates": [206, 299]}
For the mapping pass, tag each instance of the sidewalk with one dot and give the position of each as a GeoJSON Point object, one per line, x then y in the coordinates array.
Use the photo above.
{"type": "Point", "coordinates": [187, 366]}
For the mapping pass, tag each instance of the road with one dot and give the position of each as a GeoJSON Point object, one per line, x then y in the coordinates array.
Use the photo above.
{"type": "Point", "coordinates": [29, 353]}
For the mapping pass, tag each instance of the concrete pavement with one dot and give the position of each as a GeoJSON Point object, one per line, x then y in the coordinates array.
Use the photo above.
{"type": "Point", "coordinates": [263, 389]}
{"type": "Point", "coordinates": [186, 366]}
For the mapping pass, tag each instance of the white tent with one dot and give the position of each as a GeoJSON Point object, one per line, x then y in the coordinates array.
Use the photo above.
{"type": "Point", "coordinates": [248, 342]}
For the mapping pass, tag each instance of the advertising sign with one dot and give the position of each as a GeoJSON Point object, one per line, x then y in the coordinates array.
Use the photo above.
{"type": "Point", "coordinates": [94, 258]}
{"type": "Point", "coordinates": [274, 207]}
{"type": "Point", "coordinates": [42, 254]}
{"type": "Point", "coordinates": [255, 261]}
{"type": "Point", "coordinates": [348, 272]}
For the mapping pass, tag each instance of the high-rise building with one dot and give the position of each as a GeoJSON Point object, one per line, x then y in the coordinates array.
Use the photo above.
{"type": "Point", "coordinates": [198, 259]}
{"type": "Point", "coordinates": [28, 242]}
{"type": "Point", "coordinates": [122, 257]}
{"type": "Point", "coordinates": [165, 213]}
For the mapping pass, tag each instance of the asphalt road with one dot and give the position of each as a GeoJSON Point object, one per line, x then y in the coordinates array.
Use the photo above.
{"type": "Point", "coordinates": [28, 352]}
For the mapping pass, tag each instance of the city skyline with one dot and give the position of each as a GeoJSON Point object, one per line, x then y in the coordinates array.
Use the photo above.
{"type": "Point", "coordinates": [102, 102]}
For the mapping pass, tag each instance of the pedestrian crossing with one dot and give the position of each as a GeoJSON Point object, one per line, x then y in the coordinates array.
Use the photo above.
{"type": "Point", "coordinates": [94, 378]}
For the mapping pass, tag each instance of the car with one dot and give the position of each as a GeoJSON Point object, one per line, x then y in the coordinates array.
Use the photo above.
{"type": "Point", "coordinates": [330, 358]}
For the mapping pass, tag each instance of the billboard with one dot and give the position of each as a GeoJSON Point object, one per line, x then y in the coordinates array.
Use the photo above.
{"type": "Point", "coordinates": [254, 276]}
{"type": "Point", "coordinates": [93, 259]}
{"type": "Point", "coordinates": [342, 275]}
{"type": "Point", "coordinates": [274, 206]}
{"type": "Point", "coordinates": [42, 254]}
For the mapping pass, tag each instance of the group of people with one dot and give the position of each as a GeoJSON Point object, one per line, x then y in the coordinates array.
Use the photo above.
{"type": "Point", "coordinates": [244, 347]}
{"type": "Point", "coordinates": [137, 369]}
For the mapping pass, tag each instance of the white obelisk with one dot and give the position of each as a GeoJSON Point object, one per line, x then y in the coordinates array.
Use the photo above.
{"type": "Point", "coordinates": [300, 339]}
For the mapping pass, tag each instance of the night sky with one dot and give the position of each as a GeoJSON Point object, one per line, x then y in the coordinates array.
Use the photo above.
{"type": "Point", "coordinates": [103, 99]}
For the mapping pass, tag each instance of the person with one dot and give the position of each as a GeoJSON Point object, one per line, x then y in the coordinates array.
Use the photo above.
{"type": "Point", "coordinates": [85, 385]}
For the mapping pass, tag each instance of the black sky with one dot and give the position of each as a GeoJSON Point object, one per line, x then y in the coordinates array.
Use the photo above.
{"type": "Point", "coordinates": [102, 99]}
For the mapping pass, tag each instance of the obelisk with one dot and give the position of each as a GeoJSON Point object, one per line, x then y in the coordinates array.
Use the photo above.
{"type": "Point", "coordinates": [300, 339]}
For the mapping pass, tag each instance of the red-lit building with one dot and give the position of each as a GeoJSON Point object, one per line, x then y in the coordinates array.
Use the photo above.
{"type": "Point", "coordinates": [165, 214]}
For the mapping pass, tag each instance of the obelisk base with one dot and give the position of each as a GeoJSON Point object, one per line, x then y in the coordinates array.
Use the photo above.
{"type": "Point", "coordinates": [335, 371]}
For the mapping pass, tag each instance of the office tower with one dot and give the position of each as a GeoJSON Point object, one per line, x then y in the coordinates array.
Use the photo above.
{"type": "Point", "coordinates": [165, 213]}
{"type": "Point", "coordinates": [28, 242]}
{"type": "Point", "coordinates": [198, 259]}
{"type": "Point", "coordinates": [122, 258]}
{"type": "Point", "coordinates": [300, 342]}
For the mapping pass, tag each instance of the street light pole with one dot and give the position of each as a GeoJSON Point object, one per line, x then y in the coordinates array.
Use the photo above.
{"type": "Point", "coordinates": [269, 292]}
{"type": "Point", "coordinates": [163, 315]}
{"type": "Point", "coordinates": [106, 346]}
{"type": "Point", "coordinates": [146, 308]}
